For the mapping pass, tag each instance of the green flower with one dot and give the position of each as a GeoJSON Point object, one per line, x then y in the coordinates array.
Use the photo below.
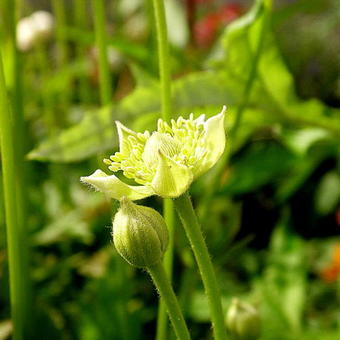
{"type": "Point", "coordinates": [165, 162]}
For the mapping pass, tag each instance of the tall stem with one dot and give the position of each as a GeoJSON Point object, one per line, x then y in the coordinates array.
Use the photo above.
{"type": "Point", "coordinates": [80, 19]}
{"type": "Point", "coordinates": [162, 320]}
{"type": "Point", "coordinates": [163, 58]}
{"type": "Point", "coordinates": [192, 228]}
{"type": "Point", "coordinates": [63, 48]}
{"type": "Point", "coordinates": [166, 108]}
{"type": "Point", "coordinates": [17, 263]}
{"type": "Point", "coordinates": [20, 287]}
{"type": "Point", "coordinates": [100, 32]}
{"type": "Point", "coordinates": [167, 294]}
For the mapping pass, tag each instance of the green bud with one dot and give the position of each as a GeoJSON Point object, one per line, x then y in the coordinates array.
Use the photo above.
{"type": "Point", "coordinates": [139, 234]}
{"type": "Point", "coordinates": [243, 321]}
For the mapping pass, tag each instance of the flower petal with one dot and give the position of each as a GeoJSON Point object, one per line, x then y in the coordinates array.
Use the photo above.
{"type": "Point", "coordinates": [115, 188]}
{"type": "Point", "coordinates": [214, 144]}
{"type": "Point", "coordinates": [123, 134]}
{"type": "Point", "coordinates": [171, 179]}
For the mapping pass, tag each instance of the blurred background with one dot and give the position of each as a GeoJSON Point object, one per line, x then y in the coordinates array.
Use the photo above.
{"type": "Point", "coordinates": [273, 220]}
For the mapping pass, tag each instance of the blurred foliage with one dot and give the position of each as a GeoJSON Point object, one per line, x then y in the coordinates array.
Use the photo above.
{"type": "Point", "coordinates": [273, 224]}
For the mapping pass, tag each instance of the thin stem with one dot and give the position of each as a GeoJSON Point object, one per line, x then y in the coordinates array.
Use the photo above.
{"type": "Point", "coordinates": [17, 263]}
{"type": "Point", "coordinates": [162, 320]}
{"type": "Point", "coordinates": [63, 53]}
{"type": "Point", "coordinates": [104, 72]}
{"type": "Point", "coordinates": [60, 15]}
{"type": "Point", "coordinates": [80, 18]}
{"type": "Point", "coordinates": [166, 108]}
{"type": "Point", "coordinates": [167, 294]}
{"type": "Point", "coordinates": [163, 58]}
{"type": "Point", "coordinates": [192, 228]}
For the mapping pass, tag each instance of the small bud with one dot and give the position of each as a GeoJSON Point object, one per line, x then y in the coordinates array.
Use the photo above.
{"type": "Point", "coordinates": [243, 321]}
{"type": "Point", "coordinates": [139, 234]}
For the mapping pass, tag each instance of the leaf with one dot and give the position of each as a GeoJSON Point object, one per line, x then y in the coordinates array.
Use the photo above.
{"type": "Point", "coordinates": [274, 89]}
{"type": "Point", "coordinates": [96, 132]}
{"type": "Point", "coordinates": [327, 195]}
{"type": "Point", "coordinates": [273, 99]}
{"type": "Point", "coordinates": [178, 30]}
{"type": "Point", "coordinates": [301, 140]}
{"type": "Point", "coordinates": [262, 163]}
{"type": "Point", "coordinates": [284, 283]}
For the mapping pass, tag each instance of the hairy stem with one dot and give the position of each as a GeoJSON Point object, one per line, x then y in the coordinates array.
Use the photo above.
{"type": "Point", "coordinates": [192, 228]}
{"type": "Point", "coordinates": [167, 294]}
{"type": "Point", "coordinates": [164, 73]}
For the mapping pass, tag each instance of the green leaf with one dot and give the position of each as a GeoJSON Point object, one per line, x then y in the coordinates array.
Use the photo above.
{"type": "Point", "coordinates": [284, 283]}
{"type": "Point", "coordinates": [262, 163]}
{"type": "Point", "coordinates": [96, 132]}
{"type": "Point", "coordinates": [327, 195]}
{"type": "Point", "coordinates": [273, 99]}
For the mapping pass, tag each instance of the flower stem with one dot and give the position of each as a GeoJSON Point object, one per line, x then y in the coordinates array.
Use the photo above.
{"type": "Point", "coordinates": [15, 239]}
{"type": "Point", "coordinates": [192, 228]}
{"type": "Point", "coordinates": [164, 73]}
{"type": "Point", "coordinates": [162, 320]}
{"type": "Point", "coordinates": [104, 72]}
{"type": "Point", "coordinates": [167, 294]}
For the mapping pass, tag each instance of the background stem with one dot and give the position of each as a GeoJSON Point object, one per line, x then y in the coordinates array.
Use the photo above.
{"type": "Point", "coordinates": [80, 20]}
{"type": "Point", "coordinates": [163, 58]}
{"type": "Point", "coordinates": [101, 42]}
{"type": "Point", "coordinates": [59, 11]}
{"type": "Point", "coordinates": [166, 108]}
{"type": "Point", "coordinates": [193, 230]}
{"type": "Point", "coordinates": [167, 294]}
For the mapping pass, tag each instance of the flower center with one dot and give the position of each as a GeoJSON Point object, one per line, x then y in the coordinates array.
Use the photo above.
{"type": "Point", "coordinates": [159, 142]}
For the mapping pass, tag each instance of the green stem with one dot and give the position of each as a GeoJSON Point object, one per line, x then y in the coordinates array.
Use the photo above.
{"type": "Point", "coordinates": [192, 228]}
{"type": "Point", "coordinates": [60, 15]}
{"type": "Point", "coordinates": [163, 58]}
{"type": "Point", "coordinates": [162, 320]}
{"type": "Point", "coordinates": [164, 73]}
{"type": "Point", "coordinates": [63, 54]}
{"type": "Point", "coordinates": [16, 116]}
{"type": "Point", "coordinates": [16, 259]}
{"type": "Point", "coordinates": [80, 18]}
{"type": "Point", "coordinates": [167, 294]}
{"type": "Point", "coordinates": [104, 72]}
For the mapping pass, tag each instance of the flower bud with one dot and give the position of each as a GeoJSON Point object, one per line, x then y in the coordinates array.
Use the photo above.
{"type": "Point", "coordinates": [139, 234]}
{"type": "Point", "coordinates": [243, 321]}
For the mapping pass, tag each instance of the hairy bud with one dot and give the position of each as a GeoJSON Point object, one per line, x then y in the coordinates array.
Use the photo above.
{"type": "Point", "coordinates": [139, 234]}
{"type": "Point", "coordinates": [243, 321]}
